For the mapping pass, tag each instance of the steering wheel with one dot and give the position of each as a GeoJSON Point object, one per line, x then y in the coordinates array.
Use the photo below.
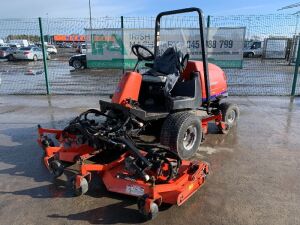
{"type": "Point", "coordinates": [142, 52]}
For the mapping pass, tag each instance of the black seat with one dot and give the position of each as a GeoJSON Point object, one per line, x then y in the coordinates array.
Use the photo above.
{"type": "Point", "coordinates": [167, 63]}
{"type": "Point", "coordinates": [161, 86]}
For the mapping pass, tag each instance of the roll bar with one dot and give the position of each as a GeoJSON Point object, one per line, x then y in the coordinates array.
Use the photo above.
{"type": "Point", "coordinates": [202, 40]}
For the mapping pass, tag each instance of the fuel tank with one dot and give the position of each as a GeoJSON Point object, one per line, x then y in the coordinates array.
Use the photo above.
{"type": "Point", "coordinates": [128, 88]}
{"type": "Point", "coordinates": [217, 78]}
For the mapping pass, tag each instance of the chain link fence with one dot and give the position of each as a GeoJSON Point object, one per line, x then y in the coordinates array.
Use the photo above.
{"type": "Point", "coordinates": [261, 75]}
{"type": "Point", "coordinates": [268, 63]}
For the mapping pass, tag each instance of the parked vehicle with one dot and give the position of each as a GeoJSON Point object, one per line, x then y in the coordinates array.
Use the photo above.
{"type": "Point", "coordinates": [60, 45]}
{"type": "Point", "coordinates": [78, 61]}
{"type": "Point", "coordinates": [15, 45]}
{"type": "Point", "coordinates": [64, 45]}
{"type": "Point", "coordinates": [51, 49]}
{"type": "Point", "coordinates": [254, 49]}
{"type": "Point", "coordinates": [4, 45]}
{"type": "Point", "coordinates": [22, 43]}
{"type": "Point", "coordinates": [68, 45]}
{"type": "Point", "coordinates": [7, 53]}
{"type": "Point", "coordinates": [76, 45]}
{"type": "Point", "coordinates": [81, 49]}
{"type": "Point", "coordinates": [29, 53]}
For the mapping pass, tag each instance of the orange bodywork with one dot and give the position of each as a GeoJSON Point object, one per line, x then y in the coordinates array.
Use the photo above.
{"type": "Point", "coordinates": [66, 154]}
{"type": "Point", "coordinates": [130, 84]}
{"type": "Point", "coordinates": [217, 77]}
{"type": "Point", "coordinates": [176, 191]}
{"type": "Point", "coordinates": [128, 88]}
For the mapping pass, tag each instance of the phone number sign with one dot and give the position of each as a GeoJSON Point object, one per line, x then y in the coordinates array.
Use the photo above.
{"type": "Point", "coordinates": [224, 45]}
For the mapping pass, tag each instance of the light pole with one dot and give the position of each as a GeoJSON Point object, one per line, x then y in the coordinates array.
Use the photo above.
{"type": "Point", "coordinates": [90, 9]}
{"type": "Point", "coordinates": [297, 21]}
{"type": "Point", "coordinates": [48, 28]}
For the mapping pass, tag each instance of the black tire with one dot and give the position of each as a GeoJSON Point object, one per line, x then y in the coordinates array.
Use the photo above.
{"type": "Point", "coordinates": [35, 58]}
{"type": "Point", "coordinates": [148, 215]}
{"type": "Point", "coordinates": [57, 168]}
{"type": "Point", "coordinates": [182, 133]}
{"type": "Point", "coordinates": [10, 57]}
{"type": "Point", "coordinates": [48, 143]}
{"type": "Point", "coordinates": [84, 186]}
{"type": "Point", "coordinates": [251, 55]}
{"type": "Point", "coordinates": [77, 64]}
{"type": "Point", "coordinates": [230, 115]}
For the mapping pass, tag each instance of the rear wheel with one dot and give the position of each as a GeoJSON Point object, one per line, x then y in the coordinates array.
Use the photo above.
{"type": "Point", "coordinates": [182, 133]}
{"type": "Point", "coordinates": [77, 64]}
{"type": "Point", "coordinates": [230, 114]}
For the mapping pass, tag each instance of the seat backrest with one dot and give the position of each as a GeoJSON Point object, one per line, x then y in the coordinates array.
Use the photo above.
{"type": "Point", "coordinates": [168, 62]}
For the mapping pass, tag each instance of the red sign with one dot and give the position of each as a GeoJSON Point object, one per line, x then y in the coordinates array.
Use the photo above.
{"type": "Point", "coordinates": [71, 38]}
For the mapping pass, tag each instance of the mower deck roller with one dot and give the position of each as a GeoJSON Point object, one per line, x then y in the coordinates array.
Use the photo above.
{"type": "Point", "coordinates": [141, 142]}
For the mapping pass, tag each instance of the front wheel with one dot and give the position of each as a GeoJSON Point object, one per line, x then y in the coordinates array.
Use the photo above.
{"type": "Point", "coordinates": [230, 115]}
{"type": "Point", "coordinates": [182, 133]}
{"type": "Point", "coordinates": [56, 168]}
{"type": "Point", "coordinates": [83, 186]}
{"type": "Point", "coordinates": [147, 208]}
{"type": "Point", "coordinates": [77, 64]}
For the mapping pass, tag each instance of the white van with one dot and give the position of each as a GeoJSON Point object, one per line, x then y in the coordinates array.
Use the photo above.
{"type": "Point", "coordinates": [254, 49]}
{"type": "Point", "coordinates": [22, 43]}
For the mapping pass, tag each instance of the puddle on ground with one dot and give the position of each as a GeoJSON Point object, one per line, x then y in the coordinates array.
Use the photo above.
{"type": "Point", "coordinates": [210, 150]}
{"type": "Point", "coordinates": [6, 141]}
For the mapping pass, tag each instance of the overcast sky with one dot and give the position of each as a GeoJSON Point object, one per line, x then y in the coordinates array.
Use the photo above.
{"type": "Point", "coordinates": [79, 8]}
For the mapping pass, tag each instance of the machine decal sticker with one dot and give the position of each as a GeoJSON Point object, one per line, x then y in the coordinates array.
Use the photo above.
{"type": "Point", "coordinates": [134, 190]}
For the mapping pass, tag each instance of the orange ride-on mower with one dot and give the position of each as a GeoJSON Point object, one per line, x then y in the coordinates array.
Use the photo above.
{"type": "Point", "coordinates": [140, 143]}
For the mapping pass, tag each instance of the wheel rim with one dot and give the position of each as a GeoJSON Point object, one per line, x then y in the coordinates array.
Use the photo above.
{"type": "Point", "coordinates": [231, 117]}
{"type": "Point", "coordinates": [76, 64]}
{"type": "Point", "coordinates": [190, 137]}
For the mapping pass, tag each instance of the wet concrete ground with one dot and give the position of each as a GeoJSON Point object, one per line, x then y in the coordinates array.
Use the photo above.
{"type": "Point", "coordinates": [254, 179]}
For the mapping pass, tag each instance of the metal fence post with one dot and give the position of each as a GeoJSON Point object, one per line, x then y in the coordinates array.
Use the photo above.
{"type": "Point", "coordinates": [296, 70]}
{"type": "Point", "coordinates": [44, 55]}
{"type": "Point", "coordinates": [123, 50]}
{"type": "Point", "coordinates": [208, 21]}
